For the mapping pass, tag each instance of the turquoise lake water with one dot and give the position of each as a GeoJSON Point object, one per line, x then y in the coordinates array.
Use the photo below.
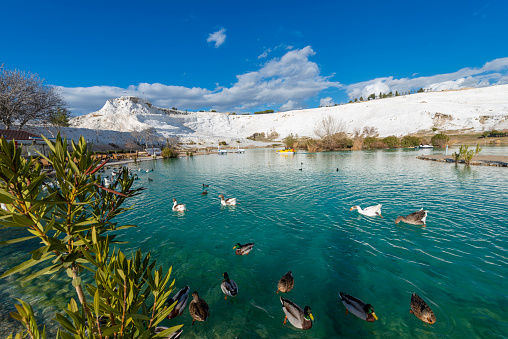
{"type": "Point", "coordinates": [300, 222]}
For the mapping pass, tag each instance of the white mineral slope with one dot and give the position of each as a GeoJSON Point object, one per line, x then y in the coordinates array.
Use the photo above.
{"type": "Point", "coordinates": [467, 110]}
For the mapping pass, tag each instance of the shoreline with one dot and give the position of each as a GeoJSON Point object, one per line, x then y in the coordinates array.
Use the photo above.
{"type": "Point", "coordinates": [479, 160]}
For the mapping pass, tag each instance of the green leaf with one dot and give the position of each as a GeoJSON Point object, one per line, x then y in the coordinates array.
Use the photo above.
{"type": "Point", "coordinates": [76, 281]}
{"type": "Point", "coordinates": [166, 333]}
{"type": "Point", "coordinates": [6, 197]}
{"type": "Point", "coordinates": [45, 270]}
{"type": "Point", "coordinates": [96, 302]}
{"type": "Point", "coordinates": [111, 330]}
{"type": "Point", "coordinates": [137, 316]}
{"type": "Point", "coordinates": [16, 316]}
{"type": "Point", "coordinates": [23, 266]}
{"type": "Point", "coordinates": [13, 241]}
{"type": "Point", "coordinates": [66, 323]}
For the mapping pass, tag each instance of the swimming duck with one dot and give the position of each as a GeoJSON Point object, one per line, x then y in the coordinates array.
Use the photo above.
{"type": "Point", "coordinates": [173, 335]}
{"type": "Point", "coordinates": [107, 181]}
{"type": "Point", "coordinates": [243, 249]}
{"type": "Point", "coordinates": [286, 283]}
{"type": "Point", "coordinates": [297, 317]}
{"type": "Point", "coordinates": [228, 286]}
{"type": "Point", "coordinates": [422, 310]}
{"type": "Point", "coordinates": [181, 298]}
{"type": "Point", "coordinates": [205, 185]}
{"type": "Point", "coordinates": [198, 308]}
{"type": "Point", "coordinates": [358, 307]}
{"type": "Point", "coordinates": [227, 202]}
{"type": "Point", "coordinates": [371, 211]}
{"type": "Point", "coordinates": [178, 207]}
{"type": "Point", "coordinates": [150, 179]}
{"type": "Point", "coordinates": [415, 218]}
{"type": "Point", "coordinates": [204, 193]}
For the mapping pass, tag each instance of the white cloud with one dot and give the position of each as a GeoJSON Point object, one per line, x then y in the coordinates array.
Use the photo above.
{"type": "Point", "coordinates": [218, 37]}
{"type": "Point", "coordinates": [324, 102]}
{"type": "Point", "coordinates": [289, 106]}
{"type": "Point", "coordinates": [492, 73]}
{"type": "Point", "coordinates": [286, 81]}
{"type": "Point", "coordinates": [264, 54]}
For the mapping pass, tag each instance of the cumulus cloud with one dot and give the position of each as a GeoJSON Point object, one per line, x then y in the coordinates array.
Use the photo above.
{"type": "Point", "coordinates": [287, 81]}
{"type": "Point", "coordinates": [324, 102]}
{"type": "Point", "coordinates": [218, 37]}
{"type": "Point", "coordinates": [289, 106]}
{"type": "Point", "coordinates": [492, 73]}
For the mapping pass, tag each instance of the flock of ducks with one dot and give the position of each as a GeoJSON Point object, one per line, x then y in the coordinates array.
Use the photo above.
{"type": "Point", "coordinates": [298, 317]}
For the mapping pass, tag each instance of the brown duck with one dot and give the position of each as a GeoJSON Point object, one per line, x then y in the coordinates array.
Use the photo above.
{"type": "Point", "coordinates": [286, 283]}
{"type": "Point", "coordinates": [198, 308]}
{"type": "Point", "coordinates": [422, 310]}
{"type": "Point", "coordinates": [415, 218]}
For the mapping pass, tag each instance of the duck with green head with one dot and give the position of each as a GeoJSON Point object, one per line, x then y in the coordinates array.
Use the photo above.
{"type": "Point", "coordinates": [297, 317]}
{"type": "Point", "coordinates": [228, 286]}
{"type": "Point", "coordinates": [357, 307]}
{"type": "Point", "coordinates": [243, 249]}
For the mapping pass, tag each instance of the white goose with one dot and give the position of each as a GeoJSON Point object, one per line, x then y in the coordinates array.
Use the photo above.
{"type": "Point", "coordinates": [178, 207]}
{"type": "Point", "coordinates": [227, 202]}
{"type": "Point", "coordinates": [371, 211]}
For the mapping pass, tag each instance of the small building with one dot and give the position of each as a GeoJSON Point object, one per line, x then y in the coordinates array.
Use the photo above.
{"type": "Point", "coordinates": [32, 143]}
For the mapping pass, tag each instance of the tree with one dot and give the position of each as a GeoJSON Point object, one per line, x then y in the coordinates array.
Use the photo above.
{"type": "Point", "coordinates": [440, 139]}
{"type": "Point", "coordinates": [60, 117]}
{"type": "Point", "coordinates": [25, 98]}
{"type": "Point", "coordinates": [327, 129]}
{"type": "Point", "coordinates": [370, 131]}
{"type": "Point", "coordinates": [291, 141]}
{"type": "Point", "coordinates": [73, 222]}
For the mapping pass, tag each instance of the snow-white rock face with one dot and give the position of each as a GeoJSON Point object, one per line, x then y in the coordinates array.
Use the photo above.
{"type": "Point", "coordinates": [468, 110]}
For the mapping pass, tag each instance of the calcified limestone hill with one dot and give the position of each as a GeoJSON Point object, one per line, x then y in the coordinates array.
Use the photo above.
{"type": "Point", "coordinates": [467, 110]}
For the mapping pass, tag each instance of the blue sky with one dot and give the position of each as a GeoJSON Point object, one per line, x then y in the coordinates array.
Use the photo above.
{"type": "Point", "coordinates": [240, 56]}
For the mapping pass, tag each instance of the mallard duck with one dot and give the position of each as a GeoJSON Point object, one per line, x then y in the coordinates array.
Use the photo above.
{"type": "Point", "coordinates": [297, 317]}
{"type": "Point", "coordinates": [415, 218]}
{"type": "Point", "coordinates": [286, 283]}
{"type": "Point", "coordinates": [205, 192]}
{"type": "Point", "coordinates": [371, 211]}
{"type": "Point", "coordinates": [422, 310]}
{"type": "Point", "coordinates": [172, 335]}
{"type": "Point", "coordinates": [178, 207]}
{"type": "Point", "coordinates": [358, 307]}
{"type": "Point", "coordinates": [227, 202]}
{"type": "Point", "coordinates": [243, 249]}
{"type": "Point", "coordinates": [198, 308]}
{"type": "Point", "coordinates": [228, 286]}
{"type": "Point", "coordinates": [205, 185]}
{"type": "Point", "coordinates": [181, 298]}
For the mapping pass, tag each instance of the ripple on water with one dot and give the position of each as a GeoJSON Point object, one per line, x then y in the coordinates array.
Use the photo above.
{"type": "Point", "coordinates": [300, 221]}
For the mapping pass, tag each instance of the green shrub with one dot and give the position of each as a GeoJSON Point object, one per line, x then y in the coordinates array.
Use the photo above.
{"type": "Point", "coordinates": [410, 141]}
{"type": "Point", "coordinates": [368, 141]}
{"type": "Point", "coordinates": [392, 141]}
{"type": "Point", "coordinates": [169, 152]}
{"type": "Point", "coordinates": [122, 297]}
{"type": "Point", "coordinates": [440, 140]}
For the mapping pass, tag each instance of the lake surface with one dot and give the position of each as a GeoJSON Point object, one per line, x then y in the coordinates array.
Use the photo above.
{"type": "Point", "coordinates": [300, 222]}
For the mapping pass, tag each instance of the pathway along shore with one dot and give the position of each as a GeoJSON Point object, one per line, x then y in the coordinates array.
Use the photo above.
{"type": "Point", "coordinates": [484, 160]}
